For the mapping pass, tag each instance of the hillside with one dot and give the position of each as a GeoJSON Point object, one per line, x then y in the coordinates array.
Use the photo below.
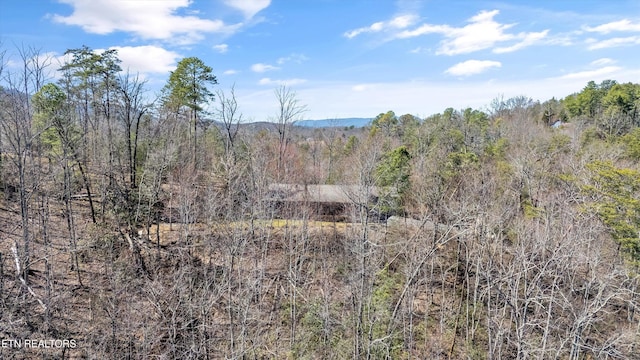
{"type": "Point", "coordinates": [129, 229]}
{"type": "Point", "coordinates": [344, 122]}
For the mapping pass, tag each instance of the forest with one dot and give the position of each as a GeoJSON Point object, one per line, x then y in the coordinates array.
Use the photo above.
{"type": "Point", "coordinates": [135, 225]}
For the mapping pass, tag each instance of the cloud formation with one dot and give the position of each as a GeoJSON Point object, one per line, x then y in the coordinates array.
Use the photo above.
{"type": "Point", "coordinates": [613, 42]}
{"type": "Point", "coordinates": [526, 39]}
{"type": "Point", "coordinates": [615, 26]}
{"type": "Point", "coordinates": [472, 67]}
{"type": "Point", "coordinates": [147, 59]}
{"type": "Point", "coordinates": [296, 58]}
{"type": "Point", "coordinates": [398, 22]}
{"type": "Point", "coordinates": [248, 7]}
{"type": "Point", "coordinates": [592, 74]}
{"type": "Point", "coordinates": [362, 87]}
{"type": "Point", "coordinates": [602, 62]}
{"type": "Point", "coordinates": [147, 19]}
{"type": "Point", "coordinates": [260, 67]}
{"type": "Point", "coordinates": [279, 82]}
{"type": "Point", "coordinates": [481, 32]}
{"type": "Point", "coordinates": [221, 48]}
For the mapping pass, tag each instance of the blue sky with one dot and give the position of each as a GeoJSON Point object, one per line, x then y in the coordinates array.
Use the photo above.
{"type": "Point", "coordinates": [349, 58]}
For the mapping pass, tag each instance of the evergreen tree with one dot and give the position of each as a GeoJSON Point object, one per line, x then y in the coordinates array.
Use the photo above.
{"type": "Point", "coordinates": [188, 88]}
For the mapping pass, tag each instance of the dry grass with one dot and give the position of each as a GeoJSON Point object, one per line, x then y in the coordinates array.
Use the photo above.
{"type": "Point", "coordinates": [171, 233]}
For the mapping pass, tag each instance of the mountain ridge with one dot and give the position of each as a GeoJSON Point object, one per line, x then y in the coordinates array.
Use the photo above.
{"type": "Point", "coordinates": [341, 122]}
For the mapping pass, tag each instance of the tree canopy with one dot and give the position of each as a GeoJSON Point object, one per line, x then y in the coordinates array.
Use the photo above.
{"type": "Point", "coordinates": [188, 85]}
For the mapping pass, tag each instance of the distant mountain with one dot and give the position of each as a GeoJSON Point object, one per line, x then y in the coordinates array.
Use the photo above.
{"type": "Point", "coordinates": [345, 122]}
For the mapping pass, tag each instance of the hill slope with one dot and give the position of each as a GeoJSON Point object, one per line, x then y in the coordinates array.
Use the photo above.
{"type": "Point", "coordinates": [345, 122]}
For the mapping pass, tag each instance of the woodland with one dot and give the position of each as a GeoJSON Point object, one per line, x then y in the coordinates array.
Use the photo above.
{"type": "Point", "coordinates": [136, 225]}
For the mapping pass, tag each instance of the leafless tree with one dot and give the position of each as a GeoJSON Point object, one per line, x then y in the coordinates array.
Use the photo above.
{"type": "Point", "coordinates": [15, 122]}
{"type": "Point", "coordinates": [289, 110]}
{"type": "Point", "coordinates": [229, 115]}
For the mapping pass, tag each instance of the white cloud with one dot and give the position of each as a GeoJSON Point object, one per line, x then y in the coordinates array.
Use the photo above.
{"type": "Point", "coordinates": [287, 82]}
{"type": "Point", "coordinates": [424, 30]}
{"type": "Point", "coordinates": [248, 7]}
{"type": "Point", "coordinates": [230, 72]}
{"type": "Point", "coordinates": [260, 68]}
{"type": "Point", "coordinates": [144, 60]}
{"type": "Point", "coordinates": [297, 58]}
{"type": "Point", "coordinates": [472, 67]}
{"type": "Point", "coordinates": [528, 39]}
{"type": "Point", "coordinates": [564, 39]}
{"type": "Point", "coordinates": [621, 25]}
{"type": "Point", "coordinates": [375, 27]}
{"type": "Point", "coordinates": [592, 74]}
{"type": "Point", "coordinates": [147, 19]}
{"type": "Point", "coordinates": [402, 21]}
{"type": "Point", "coordinates": [481, 33]}
{"type": "Point", "coordinates": [362, 87]}
{"type": "Point", "coordinates": [221, 48]}
{"type": "Point", "coordinates": [613, 42]}
{"type": "Point", "coordinates": [147, 59]}
{"type": "Point", "coordinates": [398, 22]}
{"type": "Point", "coordinates": [602, 62]}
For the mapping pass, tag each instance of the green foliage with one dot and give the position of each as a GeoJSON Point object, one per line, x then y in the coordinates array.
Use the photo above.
{"type": "Point", "coordinates": [621, 99]}
{"type": "Point", "coordinates": [476, 118]}
{"type": "Point", "coordinates": [93, 70]}
{"type": "Point", "coordinates": [475, 128]}
{"type": "Point", "coordinates": [589, 135]}
{"type": "Point", "coordinates": [408, 126]}
{"type": "Point", "coordinates": [559, 143]}
{"type": "Point", "coordinates": [48, 103]}
{"type": "Point", "coordinates": [394, 168]}
{"type": "Point", "coordinates": [458, 162]}
{"type": "Point", "coordinates": [588, 101]}
{"type": "Point", "coordinates": [611, 106]}
{"type": "Point", "coordinates": [351, 145]}
{"type": "Point", "coordinates": [453, 140]}
{"type": "Point", "coordinates": [392, 175]}
{"type": "Point", "coordinates": [212, 139]}
{"type": "Point", "coordinates": [529, 209]}
{"type": "Point", "coordinates": [51, 121]}
{"type": "Point", "coordinates": [387, 285]}
{"type": "Point", "coordinates": [49, 99]}
{"type": "Point", "coordinates": [552, 111]}
{"type": "Point", "coordinates": [449, 114]}
{"type": "Point", "coordinates": [631, 142]}
{"type": "Point", "coordinates": [617, 202]}
{"type": "Point", "coordinates": [319, 333]}
{"type": "Point", "coordinates": [385, 122]}
{"type": "Point", "coordinates": [188, 85]}
{"type": "Point", "coordinates": [497, 149]}
{"type": "Point", "coordinates": [312, 323]}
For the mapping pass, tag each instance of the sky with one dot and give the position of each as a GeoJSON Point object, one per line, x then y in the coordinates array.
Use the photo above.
{"type": "Point", "coordinates": [347, 58]}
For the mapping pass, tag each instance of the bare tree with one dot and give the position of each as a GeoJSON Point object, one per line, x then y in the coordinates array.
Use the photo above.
{"type": "Point", "coordinates": [15, 122]}
{"type": "Point", "coordinates": [132, 109]}
{"type": "Point", "coordinates": [229, 114]}
{"type": "Point", "coordinates": [289, 110]}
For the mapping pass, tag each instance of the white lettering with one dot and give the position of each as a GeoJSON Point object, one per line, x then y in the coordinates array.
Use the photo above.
{"type": "Point", "coordinates": [40, 344]}
{"type": "Point", "coordinates": [10, 343]}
